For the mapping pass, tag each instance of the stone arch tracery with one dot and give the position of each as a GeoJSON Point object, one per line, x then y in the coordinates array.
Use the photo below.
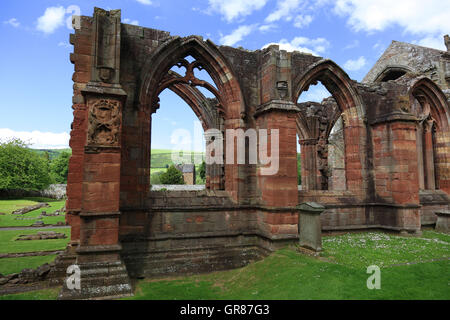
{"type": "Point", "coordinates": [433, 132]}
{"type": "Point", "coordinates": [227, 105]}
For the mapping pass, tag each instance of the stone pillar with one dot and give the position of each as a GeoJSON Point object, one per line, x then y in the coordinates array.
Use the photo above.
{"type": "Point", "coordinates": [309, 225]}
{"type": "Point", "coordinates": [103, 273]}
{"type": "Point", "coordinates": [279, 189]}
{"type": "Point", "coordinates": [309, 164]}
{"type": "Point", "coordinates": [214, 171]}
{"type": "Point", "coordinates": [430, 182]}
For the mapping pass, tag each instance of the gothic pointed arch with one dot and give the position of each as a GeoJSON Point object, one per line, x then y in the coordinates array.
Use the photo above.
{"type": "Point", "coordinates": [337, 82]}
{"type": "Point", "coordinates": [430, 95]}
{"type": "Point", "coordinates": [392, 72]}
{"type": "Point", "coordinates": [433, 134]}
{"type": "Point", "coordinates": [350, 107]}
{"type": "Point", "coordinates": [208, 57]}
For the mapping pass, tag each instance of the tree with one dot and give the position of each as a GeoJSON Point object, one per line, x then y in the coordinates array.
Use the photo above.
{"type": "Point", "coordinates": [172, 176]}
{"type": "Point", "coordinates": [59, 167]}
{"type": "Point", "coordinates": [202, 170]}
{"type": "Point", "coordinates": [21, 168]}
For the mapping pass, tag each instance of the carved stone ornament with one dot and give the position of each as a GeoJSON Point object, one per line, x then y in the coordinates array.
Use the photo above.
{"type": "Point", "coordinates": [104, 122]}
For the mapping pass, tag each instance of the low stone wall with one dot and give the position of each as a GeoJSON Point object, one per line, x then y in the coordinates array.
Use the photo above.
{"type": "Point", "coordinates": [54, 191]}
{"type": "Point", "coordinates": [344, 211]}
{"type": "Point", "coordinates": [432, 201]}
{"type": "Point", "coordinates": [186, 232]}
{"type": "Point", "coordinates": [181, 187]}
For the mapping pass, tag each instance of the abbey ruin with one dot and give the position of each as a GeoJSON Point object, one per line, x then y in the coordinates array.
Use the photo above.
{"type": "Point", "coordinates": [388, 167]}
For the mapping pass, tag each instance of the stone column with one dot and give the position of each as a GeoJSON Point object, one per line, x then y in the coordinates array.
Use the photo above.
{"type": "Point", "coordinates": [103, 273]}
{"type": "Point", "coordinates": [214, 171]}
{"type": "Point", "coordinates": [309, 164]}
{"type": "Point", "coordinates": [309, 225]}
{"type": "Point", "coordinates": [430, 182]}
{"type": "Point", "coordinates": [280, 189]}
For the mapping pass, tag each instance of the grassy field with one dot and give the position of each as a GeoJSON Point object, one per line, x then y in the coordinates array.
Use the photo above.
{"type": "Point", "coordinates": [411, 268]}
{"type": "Point", "coordinates": [8, 237]}
{"type": "Point", "coordinates": [48, 294]}
{"type": "Point", "coordinates": [9, 220]}
{"type": "Point", "coordinates": [9, 245]}
{"type": "Point", "coordinates": [407, 272]}
{"type": "Point", "coordinates": [15, 265]}
{"type": "Point", "coordinates": [161, 158]}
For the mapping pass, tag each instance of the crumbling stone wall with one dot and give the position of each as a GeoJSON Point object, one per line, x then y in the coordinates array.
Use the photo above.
{"type": "Point", "coordinates": [119, 224]}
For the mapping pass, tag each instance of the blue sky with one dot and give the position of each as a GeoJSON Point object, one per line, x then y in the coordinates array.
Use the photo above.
{"type": "Point", "coordinates": [35, 76]}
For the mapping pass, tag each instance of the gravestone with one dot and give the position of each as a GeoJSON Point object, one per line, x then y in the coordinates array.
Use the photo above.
{"type": "Point", "coordinates": [310, 228]}
{"type": "Point", "coordinates": [443, 221]}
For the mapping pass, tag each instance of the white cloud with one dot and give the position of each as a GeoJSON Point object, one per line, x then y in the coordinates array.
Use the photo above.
{"type": "Point", "coordinates": [267, 27]}
{"type": "Point", "coordinates": [302, 21]}
{"type": "Point", "coordinates": [38, 139]}
{"type": "Point", "coordinates": [303, 44]}
{"type": "Point", "coordinates": [237, 35]}
{"type": "Point", "coordinates": [12, 22]}
{"type": "Point", "coordinates": [64, 44]}
{"type": "Point", "coordinates": [146, 2]}
{"type": "Point", "coordinates": [432, 42]}
{"type": "Point", "coordinates": [414, 16]}
{"type": "Point", "coordinates": [285, 9]}
{"type": "Point", "coordinates": [129, 21]}
{"type": "Point", "coordinates": [355, 65]}
{"type": "Point", "coordinates": [234, 9]}
{"type": "Point", "coordinates": [52, 19]}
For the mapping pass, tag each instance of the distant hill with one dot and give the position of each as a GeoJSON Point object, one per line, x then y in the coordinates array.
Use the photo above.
{"type": "Point", "coordinates": [161, 158]}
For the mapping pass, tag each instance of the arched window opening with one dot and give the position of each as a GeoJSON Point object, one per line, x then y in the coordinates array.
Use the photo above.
{"type": "Point", "coordinates": [321, 133]}
{"type": "Point", "coordinates": [191, 83]}
{"type": "Point", "coordinates": [299, 164]}
{"type": "Point", "coordinates": [176, 128]}
{"type": "Point", "coordinates": [426, 144]}
{"type": "Point", "coordinates": [393, 75]}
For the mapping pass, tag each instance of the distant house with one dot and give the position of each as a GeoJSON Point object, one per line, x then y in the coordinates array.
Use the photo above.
{"type": "Point", "coordinates": [188, 171]}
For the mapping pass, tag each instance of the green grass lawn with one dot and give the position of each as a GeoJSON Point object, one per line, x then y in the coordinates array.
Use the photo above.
{"type": "Point", "coordinates": [16, 265]}
{"type": "Point", "coordinates": [9, 245]}
{"type": "Point", "coordinates": [339, 273]}
{"type": "Point", "coordinates": [9, 220]}
{"type": "Point", "coordinates": [47, 294]}
{"type": "Point", "coordinates": [411, 268]}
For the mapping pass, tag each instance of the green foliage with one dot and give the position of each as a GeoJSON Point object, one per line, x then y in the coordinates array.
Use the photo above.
{"type": "Point", "coordinates": [52, 153]}
{"type": "Point", "coordinates": [172, 176]}
{"type": "Point", "coordinates": [202, 170]}
{"type": "Point", "coordinates": [59, 167]}
{"type": "Point", "coordinates": [299, 169]}
{"type": "Point", "coordinates": [155, 178]}
{"type": "Point", "coordinates": [21, 168]}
